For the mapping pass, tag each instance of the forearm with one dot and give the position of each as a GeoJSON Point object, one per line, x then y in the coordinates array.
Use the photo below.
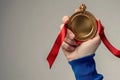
{"type": "Point", "coordinates": [85, 68]}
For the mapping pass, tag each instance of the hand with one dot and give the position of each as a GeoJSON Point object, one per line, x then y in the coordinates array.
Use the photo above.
{"type": "Point", "coordinates": [74, 51]}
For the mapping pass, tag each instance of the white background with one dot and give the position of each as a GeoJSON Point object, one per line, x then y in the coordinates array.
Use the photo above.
{"type": "Point", "coordinates": [28, 29]}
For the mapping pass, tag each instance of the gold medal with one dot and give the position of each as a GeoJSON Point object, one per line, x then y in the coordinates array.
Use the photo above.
{"type": "Point", "coordinates": [83, 24]}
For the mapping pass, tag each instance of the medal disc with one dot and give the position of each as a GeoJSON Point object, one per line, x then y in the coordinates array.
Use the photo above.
{"type": "Point", "coordinates": [83, 24]}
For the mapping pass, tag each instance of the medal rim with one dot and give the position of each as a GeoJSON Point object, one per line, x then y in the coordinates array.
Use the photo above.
{"type": "Point", "coordinates": [90, 17]}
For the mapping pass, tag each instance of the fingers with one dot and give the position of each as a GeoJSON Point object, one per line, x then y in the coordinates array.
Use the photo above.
{"type": "Point", "coordinates": [67, 47]}
{"type": "Point", "coordinates": [69, 43]}
{"type": "Point", "coordinates": [65, 19]}
{"type": "Point", "coordinates": [70, 35]}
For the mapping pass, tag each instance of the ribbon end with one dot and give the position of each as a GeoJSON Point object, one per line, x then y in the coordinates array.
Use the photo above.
{"type": "Point", "coordinates": [55, 49]}
{"type": "Point", "coordinates": [49, 62]}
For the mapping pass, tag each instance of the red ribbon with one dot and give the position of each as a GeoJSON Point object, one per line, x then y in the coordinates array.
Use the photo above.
{"type": "Point", "coordinates": [110, 47]}
{"type": "Point", "coordinates": [55, 49]}
{"type": "Point", "coordinates": [60, 38]}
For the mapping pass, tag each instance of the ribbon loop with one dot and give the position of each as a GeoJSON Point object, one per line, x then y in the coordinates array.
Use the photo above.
{"type": "Point", "coordinates": [109, 46]}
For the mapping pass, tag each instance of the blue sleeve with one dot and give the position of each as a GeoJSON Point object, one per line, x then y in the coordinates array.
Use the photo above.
{"type": "Point", "coordinates": [85, 68]}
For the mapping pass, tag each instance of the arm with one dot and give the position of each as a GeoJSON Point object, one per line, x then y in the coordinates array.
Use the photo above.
{"type": "Point", "coordinates": [80, 57]}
